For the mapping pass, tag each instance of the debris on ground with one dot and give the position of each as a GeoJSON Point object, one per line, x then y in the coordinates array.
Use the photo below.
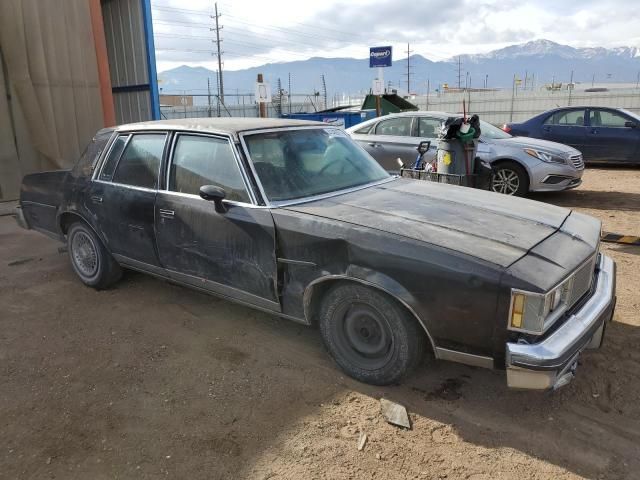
{"type": "Point", "coordinates": [394, 413]}
{"type": "Point", "coordinates": [362, 441]}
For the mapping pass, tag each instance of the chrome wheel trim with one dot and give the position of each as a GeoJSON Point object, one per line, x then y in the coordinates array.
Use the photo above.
{"type": "Point", "coordinates": [505, 181]}
{"type": "Point", "coordinates": [84, 254]}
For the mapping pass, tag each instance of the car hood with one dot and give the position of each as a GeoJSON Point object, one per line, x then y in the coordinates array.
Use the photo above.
{"type": "Point", "coordinates": [546, 145]}
{"type": "Point", "coordinates": [486, 225]}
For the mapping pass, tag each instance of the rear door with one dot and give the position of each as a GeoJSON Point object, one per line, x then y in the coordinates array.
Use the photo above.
{"type": "Point", "coordinates": [392, 138]}
{"type": "Point", "coordinates": [122, 195]}
{"type": "Point", "coordinates": [609, 139]}
{"type": "Point", "coordinates": [427, 129]}
{"type": "Point", "coordinates": [230, 253]}
{"type": "Point", "coordinates": [566, 126]}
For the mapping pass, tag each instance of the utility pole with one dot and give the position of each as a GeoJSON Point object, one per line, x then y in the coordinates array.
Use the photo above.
{"type": "Point", "coordinates": [428, 90]}
{"type": "Point", "coordinates": [209, 96]}
{"type": "Point", "coordinates": [262, 107]}
{"type": "Point", "coordinates": [408, 74]}
{"type": "Point", "coordinates": [324, 92]}
{"type": "Point", "coordinates": [289, 92]}
{"type": "Point", "coordinates": [459, 72]}
{"type": "Point", "coordinates": [217, 29]}
{"type": "Point", "coordinates": [570, 87]}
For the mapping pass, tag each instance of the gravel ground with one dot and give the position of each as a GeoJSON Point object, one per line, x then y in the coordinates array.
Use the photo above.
{"type": "Point", "coordinates": [151, 380]}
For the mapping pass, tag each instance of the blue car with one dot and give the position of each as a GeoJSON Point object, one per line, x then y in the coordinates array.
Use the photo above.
{"type": "Point", "coordinates": [607, 135]}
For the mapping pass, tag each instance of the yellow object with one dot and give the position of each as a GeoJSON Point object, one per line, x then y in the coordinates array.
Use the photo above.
{"type": "Point", "coordinates": [517, 311]}
{"type": "Point", "coordinates": [446, 158]}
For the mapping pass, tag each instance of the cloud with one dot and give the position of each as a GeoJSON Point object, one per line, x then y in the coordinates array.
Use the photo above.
{"type": "Point", "coordinates": [286, 30]}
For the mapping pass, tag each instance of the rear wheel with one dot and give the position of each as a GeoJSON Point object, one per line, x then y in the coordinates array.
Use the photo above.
{"type": "Point", "coordinates": [370, 336]}
{"type": "Point", "coordinates": [510, 178]}
{"type": "Point", "coordinates": [90, 259]}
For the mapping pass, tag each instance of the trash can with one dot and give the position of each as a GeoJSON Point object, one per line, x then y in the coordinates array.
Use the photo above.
{"type": "Point", "coordinates": [456, 157]}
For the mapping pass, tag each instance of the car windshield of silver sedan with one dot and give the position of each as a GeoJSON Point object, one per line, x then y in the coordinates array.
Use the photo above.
{"type": "Point", "coordinates": [298, 163]}
{"type": "Point", "coordinates": [490, 132]}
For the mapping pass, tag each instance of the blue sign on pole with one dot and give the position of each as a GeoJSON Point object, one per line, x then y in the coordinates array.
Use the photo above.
{"type": "Point", "coordinates": [379, 57]}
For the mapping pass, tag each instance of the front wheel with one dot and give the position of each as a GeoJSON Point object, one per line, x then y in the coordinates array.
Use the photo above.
{"type": "Point", "coordinates": [370, 336]}
{"type": "Point", "coordinates": [510, 178]}
{"type": "Point", "coordinates": [90, 259]}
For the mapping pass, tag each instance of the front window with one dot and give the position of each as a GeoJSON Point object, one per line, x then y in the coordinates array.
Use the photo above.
{"type": "Point", "coordinates": [202, 160]}
{"type": "Point", "coordinates": [300, 163]}
{"type": "Point", "coordinates": [489, 132]}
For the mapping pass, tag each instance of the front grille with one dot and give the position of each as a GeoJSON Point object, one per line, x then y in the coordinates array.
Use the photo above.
{"type": "Point", "coordinates": [581, 282]}
{"type": "Point", "coordinates": [576, 161]}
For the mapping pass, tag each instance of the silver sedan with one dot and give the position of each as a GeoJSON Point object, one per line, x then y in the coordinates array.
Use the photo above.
{"type": "Point", "coordinates": [520, 164]}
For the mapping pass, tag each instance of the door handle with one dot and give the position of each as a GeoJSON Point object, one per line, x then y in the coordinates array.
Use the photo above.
{"type": "Point", "coordinates": [166, 213]}
{"type": "Point", "coordinates": [374, 144]}
{"type": "Point", "coordinates": [96, 198]}
{"type": "Point", "coordinates": [594, 131]}
{"type": "Point", "coordinates": [546, 129]}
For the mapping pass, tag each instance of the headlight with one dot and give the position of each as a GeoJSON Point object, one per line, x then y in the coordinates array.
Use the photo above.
{"type": "Point", "coordinates": [532, 312]}
{"type": "Point", "coordinates": [545, 156]}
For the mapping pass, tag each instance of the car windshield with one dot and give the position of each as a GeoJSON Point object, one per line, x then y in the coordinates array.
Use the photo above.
{"type": "Point", "coordinates": [490, 132]}
{"type": "Point", "coordinates": [298, 163]}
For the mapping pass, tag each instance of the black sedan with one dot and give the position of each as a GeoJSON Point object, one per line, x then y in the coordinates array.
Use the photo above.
{"type": "Point", "coordinates": [295, 219]}
{"type": "Point", "coordinates": [603, 135]}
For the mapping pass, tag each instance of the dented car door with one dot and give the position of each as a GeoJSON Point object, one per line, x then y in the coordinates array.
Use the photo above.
{"type": "Point", "coordinates": [230, 252]}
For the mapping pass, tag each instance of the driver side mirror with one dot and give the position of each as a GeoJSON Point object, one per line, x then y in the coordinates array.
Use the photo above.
{"type": "Point", "coordinates": [630, 124]}
{"type": "Point", "coordinates": [214, 194]}
{"type": "Point", "coordinates": [423, 147]}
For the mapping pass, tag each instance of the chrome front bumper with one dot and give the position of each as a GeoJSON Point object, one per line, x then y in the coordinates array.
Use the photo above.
{"type": "Point", "coordinates": [551, 363]}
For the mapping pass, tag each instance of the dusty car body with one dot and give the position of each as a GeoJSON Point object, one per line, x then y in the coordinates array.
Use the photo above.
{"type": "Point", "coordinates": [298, 221]}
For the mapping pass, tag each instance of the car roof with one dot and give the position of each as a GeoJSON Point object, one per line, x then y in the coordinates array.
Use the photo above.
{"type": "Point", "coordinates": [223, 125]}
{"type": "Point", "coordinates": [413, 113]}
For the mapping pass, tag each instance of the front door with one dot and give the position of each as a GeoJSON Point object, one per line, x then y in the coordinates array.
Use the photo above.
{"type": "Point", "coordinates": [391, 139]}
{"type": "Point", "coordinates": [231, 253]}
{"type": "Point", "coordinates": [122, 196]}
{"type": "Point", "coordinates": [610, 138]}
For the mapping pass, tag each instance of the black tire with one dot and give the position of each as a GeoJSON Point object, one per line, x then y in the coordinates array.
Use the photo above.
{"type": "Point", "coordinates": [370, 336]}
{"type": "Point", "coordinates": [509, 178]}
{"type": "Point", "coordinates": [90, 259]}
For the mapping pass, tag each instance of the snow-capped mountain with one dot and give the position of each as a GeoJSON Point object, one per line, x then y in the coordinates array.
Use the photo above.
{"type": "Point", "coordinates": [540, 61]}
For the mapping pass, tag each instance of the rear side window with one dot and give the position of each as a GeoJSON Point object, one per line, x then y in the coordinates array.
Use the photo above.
{"type": "Point", "coordinates": [572, 118]}
{"type": "Point", "coordinates": [400, 126]}
{"type": "Point", "coordinates": [114, 155]}
{"type": "Point", "coordinates": [199, 161]}
{"type": "Point", "coordinates": [140, 162]}
{"type": "Point", "coordinates": [89, 157]}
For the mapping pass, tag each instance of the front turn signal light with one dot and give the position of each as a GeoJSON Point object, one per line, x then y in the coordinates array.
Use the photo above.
{"type": "Point", "coordinates": [518, 310]}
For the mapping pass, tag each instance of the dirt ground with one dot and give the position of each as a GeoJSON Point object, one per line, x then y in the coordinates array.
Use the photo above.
{"type": "Point", "coordinates": [151, 380]}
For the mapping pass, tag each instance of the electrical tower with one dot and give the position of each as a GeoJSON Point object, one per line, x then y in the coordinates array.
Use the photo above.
{"type": "Point", "coordinates": [217, 28]}
{"type": "Point", "coordinates": [459, 72]}
{"type": "Point", "coordinates": [408, 74]}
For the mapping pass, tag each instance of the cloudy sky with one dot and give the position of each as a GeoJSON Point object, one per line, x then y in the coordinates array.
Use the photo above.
{"type": "Point", "coordinates": [259, 32]}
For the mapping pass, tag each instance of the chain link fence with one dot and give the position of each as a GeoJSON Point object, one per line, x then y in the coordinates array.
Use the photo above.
{"type": "Point", "coordinates": [187, 105]}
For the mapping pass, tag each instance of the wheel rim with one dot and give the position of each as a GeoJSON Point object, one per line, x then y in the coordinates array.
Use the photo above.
{"type": "Point", "coordinates": [364, 337]}
{"type": "Point", "coordinates": [84, 254]}
{"type": "Point", "coordinates": [505, 181]}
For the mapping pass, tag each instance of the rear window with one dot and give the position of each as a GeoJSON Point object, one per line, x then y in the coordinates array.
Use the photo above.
{"type": "Point", "coordinates": [87, 161]}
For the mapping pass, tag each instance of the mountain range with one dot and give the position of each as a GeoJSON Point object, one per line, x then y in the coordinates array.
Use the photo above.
{"type": "Point", "coordinates": [542, 61]}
